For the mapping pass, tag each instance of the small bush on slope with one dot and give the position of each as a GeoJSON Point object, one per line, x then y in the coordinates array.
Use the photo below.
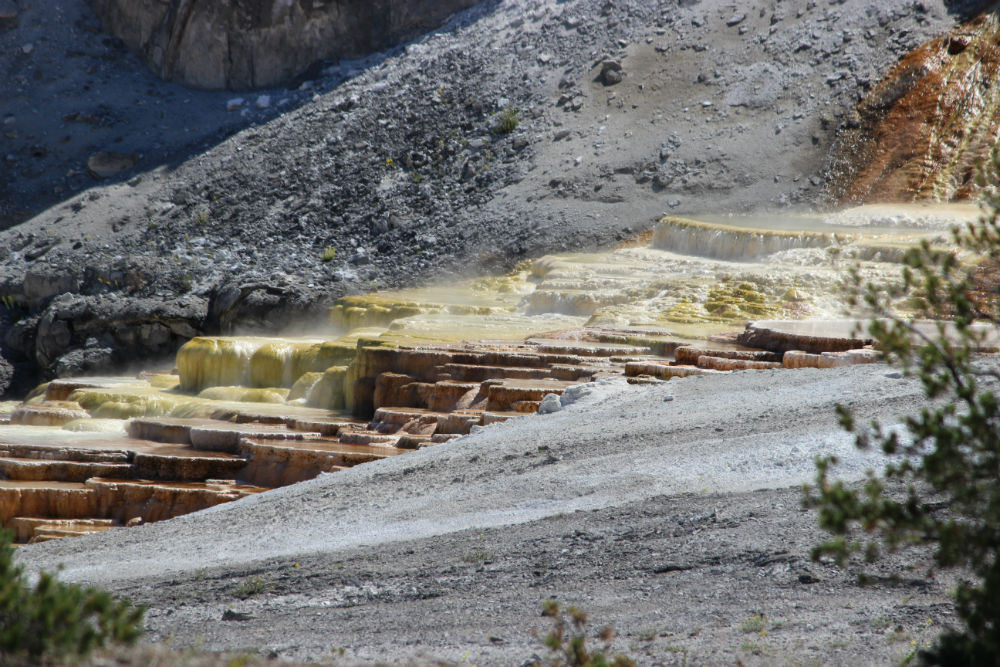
{"type": "Point", "coordinates": [567, 641]}
{"type": "Point", "coordinates": [53, 619]}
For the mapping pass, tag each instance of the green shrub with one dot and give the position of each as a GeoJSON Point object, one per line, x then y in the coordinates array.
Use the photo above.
{"type": "Point", "coordinates": [329, 253]}
{"type": "Point", "coordinates": [56, 619]}
{"type": "Point", "coordinates": [508, 120]}
{"type": "Point", "coordinates": [252, 586]}
{"type": "Point", "coordinates": [949, 460]}
{"type": "Point", "coordinates": [567, 641]}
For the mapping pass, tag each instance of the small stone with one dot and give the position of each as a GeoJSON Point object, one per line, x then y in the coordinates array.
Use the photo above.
{"type": "Point", "coordinates": [9, 120]}
{"type": "Point", "coordinates": [668, 398]}
{"type": "Point", "coordinates": [560, 135]}
{"type": "Point", "coordinates": [894, 375]}
{"type": "Point", "coordinates": [611, 72]}
{"type": "Point", "coordinates": [27, 48]}
{"type": "Point", "coordinates": [612, 76]}
{"type": "Point", "coordinates": [234, 104]}
{"type": "Point", "coordinates": [550, 403]}
{"type": "Point", "coordinates": [263, 102]}
{"type": "Point", "coordinates": [574, 393]}
{"type": "Point", "coordinates": [736, 19]}
{"type": "Point", "coordinates": [106, 164]}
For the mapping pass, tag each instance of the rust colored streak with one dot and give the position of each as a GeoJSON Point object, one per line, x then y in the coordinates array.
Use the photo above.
{"type": "Point", "coordinates": [923, 131]}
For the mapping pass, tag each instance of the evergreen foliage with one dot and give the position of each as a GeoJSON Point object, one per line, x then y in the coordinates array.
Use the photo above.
{"type": "Point", "coordinates": [948, 458]}
{"type": "Point", "coordinates": [56, 620]}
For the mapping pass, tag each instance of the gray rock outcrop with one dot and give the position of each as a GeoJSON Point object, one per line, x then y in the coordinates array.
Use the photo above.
{"type": "Point", "coordinates": [216, 44]}
{"type": "Point", "coordinates": [77, 334]}
{"type": "Point", "coordinates": [260, 306]}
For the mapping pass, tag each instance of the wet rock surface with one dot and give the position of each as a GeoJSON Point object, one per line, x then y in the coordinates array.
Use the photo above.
{"type": "Point", "coordinates": [396, 372]}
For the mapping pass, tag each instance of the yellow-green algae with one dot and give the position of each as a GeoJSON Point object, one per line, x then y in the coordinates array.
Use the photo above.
{"type": "Point", "coordinates": [255, 362]}
{"type": "Point", "coordinates": [380, 309]}
{"type": "Point", "coordinates": [300, 390]}
{"type": "Point", "coordinates": [321, 390]}
{"type": "Point", "coordinates": [726, 302]}
{"type": "Point", "coordinates": [281, 364]}
{"type": "Point", "coordinates": [166, 382]}
{"type": "Point", "coordinates": [139, 399]}
{"type": "Point", "coordinates": [7, 407]}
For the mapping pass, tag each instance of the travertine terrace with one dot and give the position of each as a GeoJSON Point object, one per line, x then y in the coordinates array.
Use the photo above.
{"type": "Point", "coordinates": [405, 370]}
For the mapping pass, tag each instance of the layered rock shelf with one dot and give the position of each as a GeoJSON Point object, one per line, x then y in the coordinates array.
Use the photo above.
{"type": "Point", "coordinates": [400, 371]}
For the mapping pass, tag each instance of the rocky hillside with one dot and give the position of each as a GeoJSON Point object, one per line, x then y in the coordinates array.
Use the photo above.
{"type": "Point", "coordinates": [518, 128]}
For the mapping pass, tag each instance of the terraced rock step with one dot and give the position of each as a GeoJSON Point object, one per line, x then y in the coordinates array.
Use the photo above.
{"type": "Point", "coordinates": [60, 482]}
{"type": "Point", "coordinates": [30, 469]}
{"type": "Point", "coordinates": [278, 463]}
{"type": "Point", "coordinates": [28, 529]}
{"type": "Point", "coordinates": [48, 413]}
{"type": "Point", "coordinates": [417, 368]}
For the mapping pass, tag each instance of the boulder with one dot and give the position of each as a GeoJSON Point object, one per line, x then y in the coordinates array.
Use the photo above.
{"type": "Point", "coordinates": [106, 164]}
{"type": "Point", "coordinates": [611, 72]}
{"type": "Point", "coordinates": [44, 283]}
{"type": "Point", "coordinates": [259, 306]}
{"type": "Point", "coordinates": [216, 44]}
{"type": "Point", "coordinates": [92, 358]}
{"type": "Point", "coordinates": [6, 375]}
{"type": "Point", "coordinates": [77, 334]}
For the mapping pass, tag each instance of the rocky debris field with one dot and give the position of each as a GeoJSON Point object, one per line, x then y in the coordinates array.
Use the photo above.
{"type": "Point", "coordinates": [516, 129]}
{"type": "Point", "coordinates": [671, 512]}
